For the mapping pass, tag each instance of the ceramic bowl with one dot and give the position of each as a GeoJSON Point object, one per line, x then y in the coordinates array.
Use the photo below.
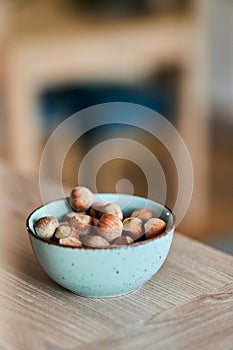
{"type": "Point", "coordinates": [102, 272]}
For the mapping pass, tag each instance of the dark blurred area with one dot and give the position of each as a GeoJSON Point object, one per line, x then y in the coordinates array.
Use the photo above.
{"type": "Point", "coordinates": [173, 56]}
{"type": "Point", "coordinates": [159, 92]}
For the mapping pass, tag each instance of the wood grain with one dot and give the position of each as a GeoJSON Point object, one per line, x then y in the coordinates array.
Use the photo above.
{"type": "Point", "coordinates": [197, 324]}
{"type": "Point", "coordinates": [187, 304]}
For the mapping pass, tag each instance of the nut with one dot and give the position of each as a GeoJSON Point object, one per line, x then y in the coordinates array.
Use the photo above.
{"type": "Point", "coordinates": [133, 227]}
{"type": "Point", "coordinates": [109, 227]}
{"type": "Point", "coordinates": [82, 223]}
{"type": "Point", "coordinates": [122, 240]}
{"type": "Point", "coordinates": [81, 198]}
{"type": "Point", "coordinates": [70, 241]}
{"type": "Point", "coordinates": [95, 222]}
{"type": "Point", "coordinates": [143, 214]}
{"type": "Point", "coordinates": [64, 223]}
{"type": "Point", "coordinates": [46, 226]}
{"type": "Point", "coordinates": [95, 242]}
{"type": "Point", "coordinates": [154, 227]}
{"type": "Point", "coordinates": [63, 230]}
{"type": "Point", "coordinates": [113, 208]}
{"type": "Point", "coordinates": [73, 233]}
{"type": "Point", "coordinates": [71, 214]}
{"type": "Point", "coordinates": [96, 209]}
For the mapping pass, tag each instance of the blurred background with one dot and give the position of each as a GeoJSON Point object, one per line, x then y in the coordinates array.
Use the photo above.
{"type": "Point", "coordinates": [174, 56]}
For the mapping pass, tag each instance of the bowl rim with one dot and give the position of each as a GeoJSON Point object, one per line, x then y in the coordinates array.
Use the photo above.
{"type": "Point", "coordinates": [131, 245]}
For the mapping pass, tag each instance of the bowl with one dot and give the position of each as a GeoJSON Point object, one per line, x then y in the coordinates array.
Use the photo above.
{"type": "Point", "coordinates": [102, 272]}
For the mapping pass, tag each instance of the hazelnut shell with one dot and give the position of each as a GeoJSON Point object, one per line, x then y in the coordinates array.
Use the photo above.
{"type": "Point", "coordinates": [94, 241]}
{"type": "Point", "coordinates": [133, 227]}
{"type": "Point", "coordinates": [143, 214]}
{"type": "Point", "coordinates": [122, 240]}
{"type": "Point", "coordinates": [113, 208]}
{"type": "Point", "coordinates": [154, 227]}
{"type": "Point", "coordinates": [70, 241]}
{"type": "Point", "coordinates": [46, 226]}
{"type": "Point", "coordinates": [80, 198]}
{"type": "Point", "coordinates": [109, 227]}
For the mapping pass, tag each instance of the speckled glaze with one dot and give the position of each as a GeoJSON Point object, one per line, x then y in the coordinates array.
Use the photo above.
{"type": "Point", "coordinates": [102, 272]}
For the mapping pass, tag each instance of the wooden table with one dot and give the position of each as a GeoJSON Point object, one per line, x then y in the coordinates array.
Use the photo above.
{"type": "Point", "coordinates": [188, 304]}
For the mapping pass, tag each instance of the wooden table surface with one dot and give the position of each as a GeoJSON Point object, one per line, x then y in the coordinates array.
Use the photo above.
{"type": "Point", "coordinates": [188, 304]}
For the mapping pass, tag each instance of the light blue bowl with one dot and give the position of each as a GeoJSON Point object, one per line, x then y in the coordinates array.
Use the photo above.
{"type": "Point", "coordinates": [102, 272]}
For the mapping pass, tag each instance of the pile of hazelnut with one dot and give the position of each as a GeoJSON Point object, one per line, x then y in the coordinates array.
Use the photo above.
{"type": "Point", "coordinates": [98, 225]}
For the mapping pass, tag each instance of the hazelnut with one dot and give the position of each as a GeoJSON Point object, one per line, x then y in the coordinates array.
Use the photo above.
{"type": "Point", "coordinates": [94, 241]}
{"type": "Point", "coordinates": [64, 223]}
{"type": "Point", "coordinates": [96, 209]}
{"type": "Point", "coordinates": [82, 223]}
{"type": "Point", "coordinates": [63, 230]}
{"type": "Point", "coordinates": [114, 209]}
{"type": "Point", "coordinates": [143, 214]}
{"type": "Point", "coordinates": [95, 222]}
{"type": "Point", "coordinates": [67, 217]}
{"type": "Point", "coordinates": [154, 227]}
{"type": "Point", "coordinates": [70, 241]}
{"type": "Point", "coordinates": [81, 198]}
{"type": "Point", "coordinates": [133, 227]}
{"type": "Point", "coordinates": [122, 240]}
{"type": "Point", "coordinates": [73, 233]}
{"type": "Point", "coordinates": [46, 226]}
{"type": "Point", "coordinates": [109, 227]}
